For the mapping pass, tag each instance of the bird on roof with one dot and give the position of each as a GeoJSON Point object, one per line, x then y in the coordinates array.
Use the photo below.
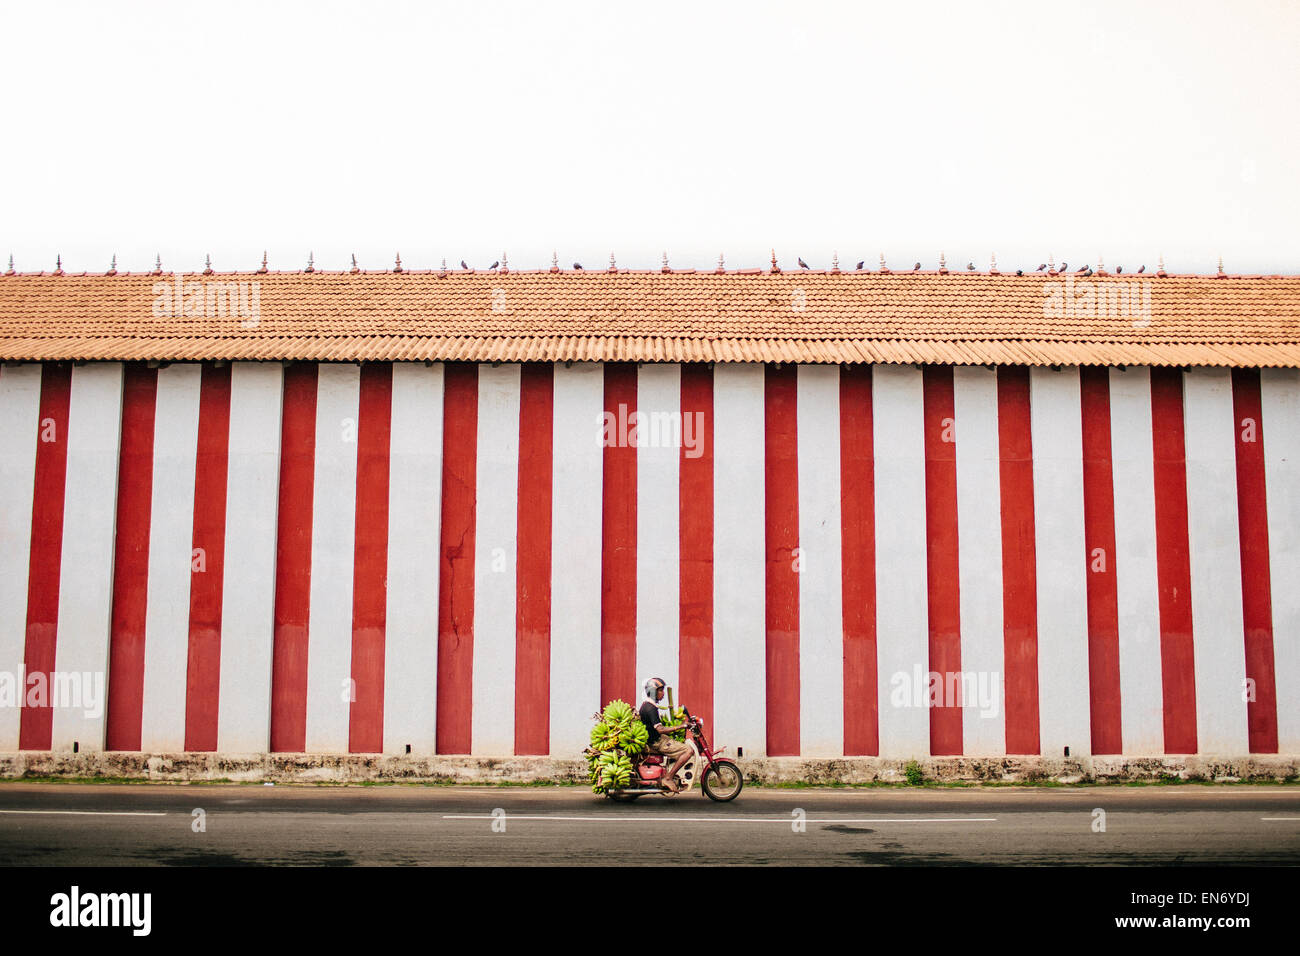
{"type": "Point", "coordinates": [917, 267]}
{"type": "Point", "coordinates": [1088, 271]}
{"type": "Point", "coordinates": [1080, 269]}
{"type": "Point", "coordinates": [577, 265]}
{"type": "Point", "coordinates": [1020, 272]}
{"type": "Point", "coordinates": [970, 267]}
{"type": "Point", "coordinates": [463, 265]}
{"type": "Point", "coordinates": [1143, 268]}
{"type": "Point", "coordinates": [1119, 270]}
{"type": "Point", "coordinates": [494, 265]}
{"type": "Point", "coordinates": [1064, 266]}
{"type": "Point", "coordinates": [861, 263]}
{"type": "Point", "coordinates": [1041, 268]}
{"type": "Point", "coordinates": [802, 264]}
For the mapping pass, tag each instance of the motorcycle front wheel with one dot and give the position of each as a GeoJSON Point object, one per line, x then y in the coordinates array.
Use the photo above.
{"type": "Point", "coordinates": [722, 781]}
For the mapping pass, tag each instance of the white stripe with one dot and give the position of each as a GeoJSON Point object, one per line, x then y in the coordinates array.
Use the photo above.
{"type": "Point", "coordinates": [1280, 400]}
{"type": "Point", "coordinates": [658, 525]}
{"type": "Point", "coordinates": [739, 542]}
{"type": "Point", "coordinates": [20, 411]}
{"type": "Point", "coordinates": [86, 571]}
{"type": "Point", "coordinates": [578, 462]}
{"type": "Point", "coordinates": [821, 577]}
{"type": "Point", "coordinates": [1218, 628]}
{"type": "Point", "coordinates": [414, 530]}
{"type": "Point", "coordinates": [1134, 562]}
{"type": "Point", "coordinates": [495, 545]}
{"type": "Point", "coordinates": [1061, 562]}
{"type": "Point", "coordinates": [171, 540]}
{"type": "Point", "coordinates": [248, 588]}
{"type": "Point", "coordinates": [979, 542]}
{"type": "Point", "coordinates": [902, 605]}
{"type": "Point", "coordinates": [333, 550]}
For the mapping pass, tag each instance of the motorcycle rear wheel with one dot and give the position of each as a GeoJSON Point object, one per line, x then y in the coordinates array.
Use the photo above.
{"type": "Point", "coordinates": [723, 781]}
{"type": "Point", "coordinates": [623, 797]}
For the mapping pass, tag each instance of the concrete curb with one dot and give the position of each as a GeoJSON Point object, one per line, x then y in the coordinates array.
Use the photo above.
{"type": "Point", "coordinates": [380, 768]}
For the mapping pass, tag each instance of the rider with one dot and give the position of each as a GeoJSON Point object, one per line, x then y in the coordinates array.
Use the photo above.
{"type": "Point", "coordinates": [660, 742]}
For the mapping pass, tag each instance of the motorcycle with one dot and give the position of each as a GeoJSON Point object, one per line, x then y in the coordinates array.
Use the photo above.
{"type": "Point", "coordinates": [719, 777]}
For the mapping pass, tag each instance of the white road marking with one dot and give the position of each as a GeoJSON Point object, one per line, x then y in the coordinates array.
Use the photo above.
{"type": "Point", "coordinates": [667, 819]}
{"type": "Point", "coordinates": [95, 813]}
{"type": "Point", "coordinates": [1291, 819]}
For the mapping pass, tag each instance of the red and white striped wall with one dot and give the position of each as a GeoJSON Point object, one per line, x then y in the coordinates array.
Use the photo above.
{"type": "Point", "coordinates": [452, 558]}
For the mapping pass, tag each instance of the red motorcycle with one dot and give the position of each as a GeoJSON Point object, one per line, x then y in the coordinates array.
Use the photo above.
{"type": "Point", "coordinates": [719, 777]}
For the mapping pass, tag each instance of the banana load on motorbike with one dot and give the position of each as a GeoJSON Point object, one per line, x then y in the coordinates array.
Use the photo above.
{"type": "Point", "coordinates": [622, 763]}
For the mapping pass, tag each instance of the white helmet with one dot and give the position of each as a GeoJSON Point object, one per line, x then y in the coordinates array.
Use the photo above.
{"type": "Point", "coordinates": [652, 685]}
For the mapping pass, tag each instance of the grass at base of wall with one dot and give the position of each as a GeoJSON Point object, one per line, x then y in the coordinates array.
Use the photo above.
{"type": "Point", "coordinates": [770, 785]}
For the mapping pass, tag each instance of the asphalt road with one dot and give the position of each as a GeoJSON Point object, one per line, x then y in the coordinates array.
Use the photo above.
{"type": "Point", "coordinates": [154, 825]}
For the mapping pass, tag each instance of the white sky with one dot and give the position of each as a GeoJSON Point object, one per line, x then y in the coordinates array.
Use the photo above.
{"type": "Point", "coordinates": [463, 129]}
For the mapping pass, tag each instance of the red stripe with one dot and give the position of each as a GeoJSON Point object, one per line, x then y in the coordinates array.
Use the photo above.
{"type": "Point", "coordinates": [1019, 567]}
{"type": "Point", "coordinates": [1256, 587]}
{"type": "Point", "coordinates": [618, 552]}
{"type": "Point", "coordinates": [1173, 561]}
{"type": "Point", "coordinates": [858, 534]}
{"type": "Point", "coordinates": [203, 672]}
{"type": "Point", "coordinates": [456, 561]}
{"type": "Point", "coordinates": [781, 492]}
{"type": "Point", "coordinates": [293, 559]}
{"type": "Point", "coordinates": [131, 559]}
{"type": "Point", "coordinates": [36, 723]}
{"type": "Point", "coordinates": [533, 567]}
{"type": "Point", "coordinates": [943, 567]}
{"type": "Point", "coordinates": [1099, 537]}
{"type": "Point", "coordinates": [695, 653]}
{"type": "Point", "coordinates": [370, 562]}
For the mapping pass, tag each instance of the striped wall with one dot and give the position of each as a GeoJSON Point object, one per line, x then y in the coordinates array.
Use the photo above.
{"type": "Point", "coordinates": [822, 561]}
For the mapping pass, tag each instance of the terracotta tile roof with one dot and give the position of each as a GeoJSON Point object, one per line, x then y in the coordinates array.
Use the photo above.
{"type": "Point", "coordinates": [748, 316]}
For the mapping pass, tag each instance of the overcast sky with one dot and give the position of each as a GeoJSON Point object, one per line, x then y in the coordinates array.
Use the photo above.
{"type": "Point", "coordinates": [462, 130]}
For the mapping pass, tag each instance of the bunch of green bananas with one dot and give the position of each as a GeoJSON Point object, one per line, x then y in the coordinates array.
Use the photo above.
{"type": "Point", "coordinates": [672, 716]}
{"type": "Point", "coordinates": [615, 770]}
{"type": "Point", "coordinates": [618, 734]}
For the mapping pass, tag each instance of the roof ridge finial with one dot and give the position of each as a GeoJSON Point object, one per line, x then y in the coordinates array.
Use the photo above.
{"type": "Point", "coordinates": [555, 261]}
{"type": "Point", "coordinates": [993, 263]}
{"type": "Point", "coordinates": [58, 265]}
{"type": "Point", "coordinates": [354, 263]}
{"type": "Point", "coordinates": [1101, 263]}
{"type": "Point", "coordinates": [207, 264]}
{"type": "Point", "coordinates": [1221, 264]}
{"type": "Point", "coordinates": [311, 262]}
{"type": "Point", "coordinates": [397, 267]}
{"type": "Point", "coordinates": [943, 264]}
{"type": "Point", "coordinates": [1160, 266]}
{"type": "Point", "coordinates": [664, 267]}
{"type": "Point", "coordinates": [722, 266]}
{"type": "Point", "coordinates": [613, 266]}
{"type": "Point", "coordinates": [11, 265]}
{"type": "Point", "coordinates": [262, 271]}
{"type": "Point", "coordinates": [443, 270]}
{"type": "Point", "coordinates": [157, 265]}
{"type": "Point", "coordinates": [835, 261]}
{"type": "Point", "coordinates": [112, 266]}
{"type": "Point", "coordinates": [1051, 263]}
{"type": "Point", "coordinates": [505, 264]}
{"type": "Point", "coordinates": [775, 267]}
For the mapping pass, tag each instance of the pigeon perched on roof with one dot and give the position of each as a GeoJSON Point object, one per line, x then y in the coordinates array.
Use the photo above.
{"type": "Point", "coordinates": [861, 263]}
{"type": "Point", "coordinates": [802, 264]}
{"type": "Point", "coordinates": [1020, 272]}
{"type": "Point", "coordinates": [1119, 270]}
{"type": "Point", "coordinates": [577, 265]}
{"type": "Point", "coordinates": [1041, 268]}
{"type": "Point", "coordinates": [1064, 266]}
{"type": "Point", "coordinates": [1088, 271]}
{"type": "Point", "coordinates": [462, 264]}
{"type": "Point", "coordinates": [1143, 268]}
{"type": "Point", "coordinates": [917, 267]}
{"type": "Point", "coordinates": [494, 265]}
{"type": "Point", "coordinates": [1081, 268]}
{"type": "Point", "coordinates": [970, 267]}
